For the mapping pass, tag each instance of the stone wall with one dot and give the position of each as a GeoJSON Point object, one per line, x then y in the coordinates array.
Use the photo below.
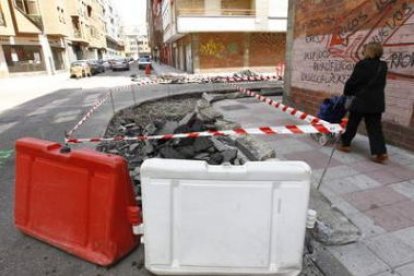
{"type": "Point", "coordinates": [327, 37]}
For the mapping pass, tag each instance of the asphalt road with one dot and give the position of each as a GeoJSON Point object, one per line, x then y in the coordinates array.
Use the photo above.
{"type": "Point", "coordinates": [48, 117]}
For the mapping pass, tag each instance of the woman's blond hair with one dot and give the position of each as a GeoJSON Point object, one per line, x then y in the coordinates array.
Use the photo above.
{"type": "Point", "coordinates": [373, 50]}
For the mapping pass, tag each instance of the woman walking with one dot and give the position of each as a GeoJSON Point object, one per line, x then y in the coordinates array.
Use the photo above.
{"type": "Point", "coordinates": [367, 84]}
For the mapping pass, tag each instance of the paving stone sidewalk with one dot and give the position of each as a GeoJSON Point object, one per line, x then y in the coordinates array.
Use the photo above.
{"type": "Point", "coordinates": [378, 198]}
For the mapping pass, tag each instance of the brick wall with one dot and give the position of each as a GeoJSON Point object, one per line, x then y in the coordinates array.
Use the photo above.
{"type": "Point", "coordinates": [241, 50]}
{"type": "Point", "coordinates": [267, 49]}
{"type": "Point", "coordinates": [328, 36]}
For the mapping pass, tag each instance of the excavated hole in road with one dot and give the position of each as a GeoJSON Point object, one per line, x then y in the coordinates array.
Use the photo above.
{"type": "Point", "coordinates": [180, 114]}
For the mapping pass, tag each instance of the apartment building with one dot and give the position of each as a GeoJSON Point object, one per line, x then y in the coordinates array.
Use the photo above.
{"type": "Point", "coordinates": [87, 39]}
{"type": "Point", "coordinates": [143, 46]}
{"type": "Point", "coordinates": [44, 36]}
{"type": "Point", "coordinates": [220, 35]}
{"type": "Point", "coordinates": [32, 36]}
{"type": "Point", "coordinates": [115, 46]}
{"type": "Point", "coordinates": [129, 35]}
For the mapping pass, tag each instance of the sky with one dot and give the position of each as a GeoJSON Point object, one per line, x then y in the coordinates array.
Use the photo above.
{"type": "Point", "coordinates": [132, 12]}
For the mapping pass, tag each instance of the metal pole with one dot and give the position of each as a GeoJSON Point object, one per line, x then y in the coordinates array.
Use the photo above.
{"type": "Point", "coordinates": [133, 94]}
{"type": "Point", "coordinates": [112, 102]}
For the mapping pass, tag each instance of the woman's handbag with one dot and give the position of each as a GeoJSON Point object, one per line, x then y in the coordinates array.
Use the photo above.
{"type": "Point", "coordinates": [349, 100]}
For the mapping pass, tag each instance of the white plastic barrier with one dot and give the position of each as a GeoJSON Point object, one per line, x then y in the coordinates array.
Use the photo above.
{"type": "Point", "coordinates": [202, 219]}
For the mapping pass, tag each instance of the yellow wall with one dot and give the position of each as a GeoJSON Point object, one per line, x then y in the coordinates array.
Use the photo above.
{"type": "Point", "coordinates": [56, 17]}
{"type": "Point", "coordinates": [7, 30]}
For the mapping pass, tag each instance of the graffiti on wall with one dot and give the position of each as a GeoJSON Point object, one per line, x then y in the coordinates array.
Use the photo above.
{"type": "Point", "coordinates": [329, 40]}
{"type": "Point", "coordinates": [217, 49]}
{"type": "Point", "coordinates": [212, 48]}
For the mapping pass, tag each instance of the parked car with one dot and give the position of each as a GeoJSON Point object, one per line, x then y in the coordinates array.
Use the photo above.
{"type": "Point", "coordinates": [120, 64]}
{"type": "Point", "coordinates": [96, 67]}
{"type": "Point", "coordinates": [80, 69]}
{"type": "Point", "coordinates": [143, 62]}
{"type": "Point", "coordinates": [105, 64]}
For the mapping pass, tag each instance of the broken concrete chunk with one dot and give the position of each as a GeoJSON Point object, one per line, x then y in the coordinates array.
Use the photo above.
{"type": "Point", "coordinates": [208, 114]}
{"type": "Point", "coordinates": [202, 144]}
{"type": "Point", "coordinates": [148, 148]}
{"type": "Point", "coordinates": [187, 151]}
{"type": "Point", "coordinates": [215, 159]}
{"type": "Point", "coordinates": [229, 155]}
{"type": "Point", "coordinates": [150, 129]}
{"type": "Point", "coordinates": [188, 119]}
{"type": "Point", "coordinates": [255, 149]}
{"type": "Point", "coordinates": [133, 147]}
{"type": "Point", "coordinates": [222, 124]}
{"type": "Point", "coordinates": [333, 227]}
{"type": "Point", "coordinates": [168, 128]}
{"type": "Point", "coordinates": [170, 153]}
{"type": "Point", "coordinates": [202, 156]}
{"type": "Point", "coordinates": [202, 103]}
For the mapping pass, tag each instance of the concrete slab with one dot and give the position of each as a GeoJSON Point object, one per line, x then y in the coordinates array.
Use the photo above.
{"type": "Point", "coordinates": [405, 270]}
{"type": "Point", "coordinates": [393, 251]}
{"type": "Point", "coordinates": [359, 259]}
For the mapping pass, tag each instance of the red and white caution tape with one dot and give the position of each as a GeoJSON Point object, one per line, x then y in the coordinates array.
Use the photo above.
{"type": "Point", "coordinates": [289, 110]}
{"type": "Point", "coordinates": [288, 129]}
{"type": "Point", "coordinates": [88, 114]}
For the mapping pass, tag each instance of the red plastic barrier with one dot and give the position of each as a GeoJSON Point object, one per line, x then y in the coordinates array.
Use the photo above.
{"type": "Point", "coordinates": [80, 201]}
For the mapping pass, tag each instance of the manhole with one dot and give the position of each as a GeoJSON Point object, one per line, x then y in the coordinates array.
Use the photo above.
{"type": "Point", "coordinates": [233, 107]}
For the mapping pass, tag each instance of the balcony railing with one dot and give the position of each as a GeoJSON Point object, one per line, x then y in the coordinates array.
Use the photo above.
{"type": "Point", "coordinates": [220, 12]}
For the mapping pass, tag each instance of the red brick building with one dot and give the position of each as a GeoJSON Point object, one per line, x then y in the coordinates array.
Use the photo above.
{"type": "Point", "coordinates": [220, 35]}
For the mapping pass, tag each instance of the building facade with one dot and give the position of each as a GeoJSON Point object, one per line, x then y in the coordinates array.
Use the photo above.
{"type": "Point", "coordinates": [44, 36]}
{"type": "Point", "coordinates": [220, 35]}
{"type": "Point", "coordinates": [87, 39]}
{"type": "Point", "coordinates": [143, 46]}
{"type": "Point", "coordinates": [115, 46]}
{"type": "Point", "coordinates": [130, 35]}
{"type": "Point", "coordinates": [326, 39]}
{"type": "Point", "coordinates": [32, 36]}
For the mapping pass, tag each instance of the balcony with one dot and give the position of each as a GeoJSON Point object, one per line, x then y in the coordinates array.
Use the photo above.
{"type": "Point", "coordinates": [225, 20]}
{"type": "Point", "coordinates": [218, 12]}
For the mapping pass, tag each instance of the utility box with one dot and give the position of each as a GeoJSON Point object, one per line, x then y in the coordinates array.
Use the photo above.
{"type": "Point", "coordinates": [204, 220]}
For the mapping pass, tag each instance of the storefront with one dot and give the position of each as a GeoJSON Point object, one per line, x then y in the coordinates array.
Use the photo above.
{"type": "Point", "coordinates": [23, 54]}
{"type": "Point", "coordinates": [57, 47]}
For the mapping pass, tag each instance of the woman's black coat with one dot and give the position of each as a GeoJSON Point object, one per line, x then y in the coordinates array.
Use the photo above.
{"type": "Point", "coordinates": [367, 84]}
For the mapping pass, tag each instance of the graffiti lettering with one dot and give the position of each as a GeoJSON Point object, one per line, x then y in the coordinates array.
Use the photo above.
{"type": "Point", "coordinates": [353, 24]}
{"type": "Point", "coordinates": [401, 60]}
{"type": "Point", "coordinates": [318, 39]}
{"type": "Point", "coordinates": [396, 20]}
{"type": "Point", "coordinates": [212, 48]}
{"type": "Point", "coordinates": [324, 79]}
{"type": "Point", "coordinates": [333, 66]}
{"type": "Point", "coordinates": [399, 16]}
{"type": "Point", "coordinates": [317, 55]}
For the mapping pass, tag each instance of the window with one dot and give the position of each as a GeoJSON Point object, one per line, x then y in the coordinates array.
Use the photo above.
{"type": "Point", "coordinates": [28, 6]}
{"type": "Point", "coordinates": [89, 9]}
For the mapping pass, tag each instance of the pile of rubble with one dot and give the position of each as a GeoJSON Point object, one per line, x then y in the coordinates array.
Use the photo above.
{"type": "Point", "coordinates": [180, 115]}
{"type": "Point", "coordinates": [176, 78]}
